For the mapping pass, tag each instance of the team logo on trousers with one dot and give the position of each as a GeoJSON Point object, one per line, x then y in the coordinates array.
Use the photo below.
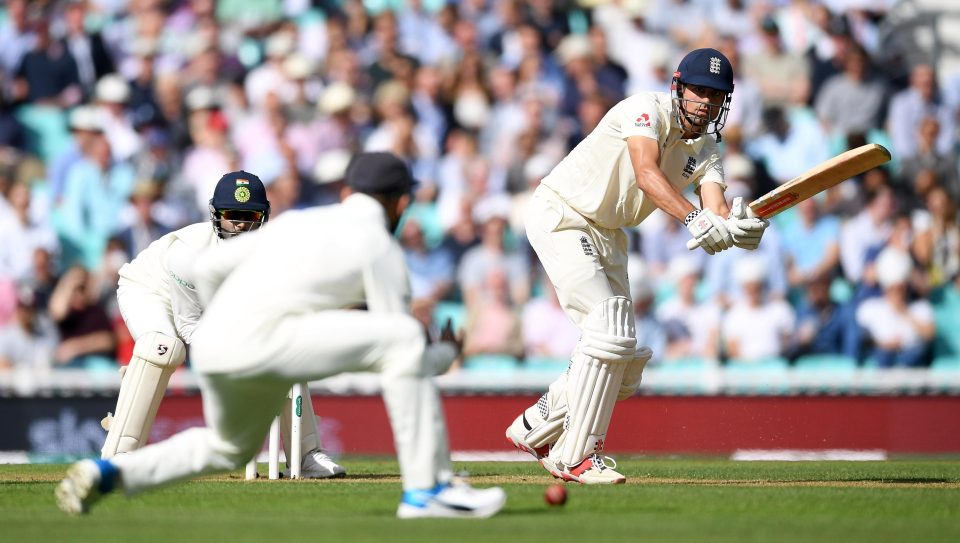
{"type": "Point", "coordinates": [587, 247]}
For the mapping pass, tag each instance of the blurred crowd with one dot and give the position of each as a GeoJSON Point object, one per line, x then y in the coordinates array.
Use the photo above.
{"type": "Point", "coordinates": [117, 118]}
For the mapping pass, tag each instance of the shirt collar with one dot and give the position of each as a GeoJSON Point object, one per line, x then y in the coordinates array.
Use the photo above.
{"type": "Point", "coordinates": [364, 204]}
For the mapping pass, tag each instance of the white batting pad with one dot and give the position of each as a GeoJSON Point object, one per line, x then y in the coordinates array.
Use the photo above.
{"type": "Point", "coordinates": [155, 357]}
{"type": "Point", "coordinates": [607, 345]}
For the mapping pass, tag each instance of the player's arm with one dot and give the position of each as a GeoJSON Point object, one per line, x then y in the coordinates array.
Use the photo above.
{"type": "Point", "coordinates": [387, 290]}
{"type": "Point", "coordinates": [705, 226]}
{"type": "Point", "coordinates": [215, 264]}
{"type": "Point", "coordinates": [184, 298]}
{"type": "Point", "coordinates": [645, 157]}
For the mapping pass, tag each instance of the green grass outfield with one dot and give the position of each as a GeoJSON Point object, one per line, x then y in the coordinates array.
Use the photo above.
{"type": "Point", "coordinates": [664, 500]}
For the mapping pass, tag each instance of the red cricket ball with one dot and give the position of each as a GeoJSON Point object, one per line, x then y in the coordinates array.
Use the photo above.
{"type": "Point", "coordinates": [555, 494]}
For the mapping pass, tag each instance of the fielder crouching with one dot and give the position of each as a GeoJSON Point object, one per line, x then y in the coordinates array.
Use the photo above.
{"type": "Point", "coordinates": [639, 158]}
{"type": "Point", "coordinates": [291, 284]}
{"type": "Point", "coordinates": [161, 308]}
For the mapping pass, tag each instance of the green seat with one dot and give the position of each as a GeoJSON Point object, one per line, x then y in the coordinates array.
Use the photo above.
{"type": "Point", "coordinates": [47, 132]}
{"type": "Point", "coordinates": [689, 375]}
{"type": "Point", "coordinates": [546, 364]}
{"type": "Point", "coordinates": [491, 363]}
{"type": "Point", "coordinates": [945, 374]}
{"type": "Point", "coordinates": [765, 376]}
{"type": "Point", "coordinates": [825, 372]}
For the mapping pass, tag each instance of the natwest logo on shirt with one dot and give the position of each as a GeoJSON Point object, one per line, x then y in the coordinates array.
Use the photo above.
{"type": "Point", "coordinates": [643, 120]}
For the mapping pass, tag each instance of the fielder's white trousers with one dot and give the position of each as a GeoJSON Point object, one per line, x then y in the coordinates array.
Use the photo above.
{"type": "Point", "coordinates": [247, 364]}
{"type": "Point", "coordinates": [144, 310]}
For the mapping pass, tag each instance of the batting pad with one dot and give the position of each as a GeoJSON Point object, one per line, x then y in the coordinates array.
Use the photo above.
{"type": "Point", "coordinates": [607, 346]}
{"type": "Point", "coordinates": [155, 357]}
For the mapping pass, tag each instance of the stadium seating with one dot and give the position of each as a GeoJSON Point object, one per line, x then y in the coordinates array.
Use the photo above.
{"type": "Point", "coordinates": [825, 373]}
{"type": "Point", "coordinates": [765, 376]}
{"type": "Point", "coordinates": [682, 376]}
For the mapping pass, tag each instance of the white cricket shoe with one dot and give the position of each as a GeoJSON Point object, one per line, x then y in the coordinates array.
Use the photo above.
{"type": "Point", "coordinates": [516, 433]}
{"type": "Point", "coordinates": [317, 464]}
{"type": "Point", "coordinates": [593, 470]}
{"type": "Point", "coordinates": [457, 500]}
{"type": "Point", "coordinates": [86, 482]}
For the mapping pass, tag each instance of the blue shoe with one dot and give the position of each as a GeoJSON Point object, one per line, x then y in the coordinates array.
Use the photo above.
{"type": "Point", "coordinates": [458, 500]}
{"type": "Point", "coordinates": [86, 482]}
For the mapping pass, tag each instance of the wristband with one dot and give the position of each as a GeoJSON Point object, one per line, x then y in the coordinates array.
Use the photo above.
{"type": "Point", "coordinates": [690, 216]}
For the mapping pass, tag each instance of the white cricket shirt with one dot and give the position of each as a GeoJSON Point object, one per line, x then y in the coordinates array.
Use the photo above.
{"type": "Point", "coordinates": [597, 179]}
{"type": "Point", "coordinates": [164, 269]}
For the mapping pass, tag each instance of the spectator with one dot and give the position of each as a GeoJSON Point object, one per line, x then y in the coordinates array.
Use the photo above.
{"type": "Point", "coordinates": [86, 333]}
{"type": "Point", "coordinates": [48, 73]}
{"type": "Point", "coordinates": [853, 101]}
{"type": "Point", "coordinates": [29, 340]}
{"type": "Point", "coordinates": [793, 144]}
{"type": "Point", "coordinates": [96, 190]}
{"type": "Point", "coordinates": [17, 37]}
{"type": "Point", "coordinates": [87, 48]}
{"type": "Point", "coordinates": [21, 236]}
{"type": "Point", "coordinates": [144, 227]}
{"type": "Point", "coordinates": [492, 254]}
{"type": "Point", "coordinates": [756, 327]}
{"type": "Point", "coordinates": [112, 93]}
{"type": "Point", "coordinates": [85, 123]}
{"type": "Point", "coordinates": [927, 157]}
{"type": "Point", "coordinates": [900, 330]}
{"type": "Point", "coordinates": [937, 242]}
{"type": "Point", "coordinates": [692, 327]}
{"type": "Point", "coordinates": [783, 77]}
{"type": "Point", "coordinates": [870, 227]}
{"type": "Point", "coordinates": [493, 323]}
{"type": "Point", "coordinates": [650, 331]}
{"type": "Point", "coordinates": [431, 271]}
{"type": "Point", "coordinates": [811, 244]}
{"type": "Point", "coordinates": [913, 106]}
{"type": "Point", "coordinates": [821, 323]}
{"type": "Point", "coordinates": [547, 331]}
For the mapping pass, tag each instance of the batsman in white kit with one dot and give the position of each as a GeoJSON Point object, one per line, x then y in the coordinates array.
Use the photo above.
{"type": "Point", "coordinates": [161, 308]}
{"type": "Point", "coordinates": [642, 154]}
{"type": "Point", "coordinates": [293, 283]}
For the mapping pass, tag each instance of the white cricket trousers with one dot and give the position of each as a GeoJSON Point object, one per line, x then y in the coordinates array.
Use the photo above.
{"type": "Point", "coordinates": [246, 367]}
{"type": "Point", "coordinates": [144, 310]}
{"type": "Point", "coordinates": [586, 263]}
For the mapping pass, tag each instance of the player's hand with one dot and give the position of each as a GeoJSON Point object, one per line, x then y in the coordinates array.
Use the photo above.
{"type": "Point", "coordinates": [745, 227]}
{"type": "Point", "coordinates": [709, 232]}
{"type": "Point", "coordinates": [448, 335]}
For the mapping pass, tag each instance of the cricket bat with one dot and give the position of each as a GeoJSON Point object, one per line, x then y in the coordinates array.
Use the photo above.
{"type": "Point", "coordinates": [818, 179]}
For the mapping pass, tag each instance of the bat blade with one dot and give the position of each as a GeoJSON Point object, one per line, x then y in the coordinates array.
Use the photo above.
{"type": "Point", "coordinates": [818, 179]}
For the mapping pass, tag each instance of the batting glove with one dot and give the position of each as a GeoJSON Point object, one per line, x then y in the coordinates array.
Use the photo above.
{"type": "Point", "coordinates": [709, 231]}
{"type": "Point", "coordinates": [744, 226]}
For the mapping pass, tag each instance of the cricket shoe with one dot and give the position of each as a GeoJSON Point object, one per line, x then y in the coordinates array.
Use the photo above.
{"type": "Point", "coordinates": [456, 500]}
{"type": "Point", "coordinates": [86, 482]}
{"type": "Point", "coordinates": [516, 433]}
{"type": "Point", "coordinates": [317, 464]}
{"type": "Point", "coordinates": [593, 470]}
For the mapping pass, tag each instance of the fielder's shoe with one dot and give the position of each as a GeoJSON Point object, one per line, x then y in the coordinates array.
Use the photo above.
{"type": "Point", "coordinates": [516, 433]}
{"type": "Point", "coordinates": [458, 500]}
{"type": "Point", "coordinates": [317, 464]}
{"type": "Point", "coordinates": [594, 471]}
{"type": "Point", "coordinates": [86, 482]}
